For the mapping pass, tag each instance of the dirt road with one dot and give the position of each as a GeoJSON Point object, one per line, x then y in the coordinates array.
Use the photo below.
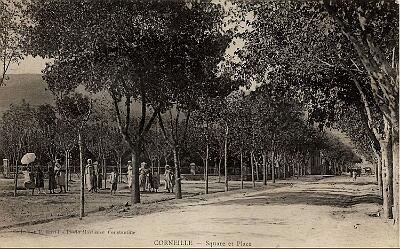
{"type": "Point", "coordinates": [333, 212]}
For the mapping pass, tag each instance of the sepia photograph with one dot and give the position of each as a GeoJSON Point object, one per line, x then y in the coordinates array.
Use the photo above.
{"type": "Point", "coordinates": [199, 123]}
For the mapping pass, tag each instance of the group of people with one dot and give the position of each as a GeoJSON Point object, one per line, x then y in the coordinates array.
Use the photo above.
{"type": "Point", "coordinates": [94, 179]}
{"type": "Point", "coordinates": [149, 180]}
{"type": "Point", "coordinates": [34, 178]}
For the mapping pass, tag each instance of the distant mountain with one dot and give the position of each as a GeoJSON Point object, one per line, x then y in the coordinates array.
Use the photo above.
{"type": "Point", "coordinates": [30, 87]}
{"type": "Point", "coordinates": [33, 89]}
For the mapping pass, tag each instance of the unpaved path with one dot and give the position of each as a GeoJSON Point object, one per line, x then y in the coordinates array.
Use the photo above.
{"type": "Point", "coordinates": [333, 212]}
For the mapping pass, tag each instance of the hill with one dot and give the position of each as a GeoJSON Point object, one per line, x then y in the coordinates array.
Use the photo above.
{"type": "Point", "coordinates": [30, 87]}
{"type": "Point", "coordinates": [33, 89]}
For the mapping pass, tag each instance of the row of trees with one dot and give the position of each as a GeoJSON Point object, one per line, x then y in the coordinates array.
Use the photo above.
{"type": "Point", "coordinates": [342, 59]}
{"type": "Point", "coordinates": [335, 58]}
{"type": "Point", "coordinates": [264, 130]}
{"type": "Point", "coordinates": [51, 132]}
{"type": "Point", "coordinates": [274, 139]}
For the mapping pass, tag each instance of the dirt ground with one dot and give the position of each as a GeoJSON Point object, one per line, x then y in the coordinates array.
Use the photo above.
{"type": "Point", "coordinates": [332, 212]}
{"type": "Point", "coordinates": [26, 209]}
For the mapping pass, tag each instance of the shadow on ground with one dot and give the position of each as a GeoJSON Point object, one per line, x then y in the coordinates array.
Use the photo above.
{"type": "Point", "coordinates": [352, 183]}
{"type": "Point", "coordinates": [306, 198]}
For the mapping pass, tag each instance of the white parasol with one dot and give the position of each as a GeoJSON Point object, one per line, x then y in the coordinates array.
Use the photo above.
{"type": "Point", "coordinates": [28, 158]}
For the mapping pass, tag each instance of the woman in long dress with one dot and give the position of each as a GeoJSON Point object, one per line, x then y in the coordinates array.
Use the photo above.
{"type": "Point", "coordinates": [130, 174]}
{"type": "Point", "coordinates": [142, 179]}
{"type": "Point", "coordinates": [156, 181]}
{"type": "Point", "coordinates": [52, 180]}
{"type": "Point", "coordinates": [60, 175]}
{"type": "Point", "coordinates": [95, 176]}
{"type": "Point", "coordinates": [89, 175]}
{"type": "Point", "coordinates": [168, 179]}
{"type": "Point", "coordinates": [29, 179]}
{"type": "Point", "coordinates": [149, 180]}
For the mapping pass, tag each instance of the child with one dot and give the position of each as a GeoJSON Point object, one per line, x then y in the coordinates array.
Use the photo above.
{"type": "Point", "coordinates": [114, 180]}
{"type": "Point", "coordinates": [29, 179]}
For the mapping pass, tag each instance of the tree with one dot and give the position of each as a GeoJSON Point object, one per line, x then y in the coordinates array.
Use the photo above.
{"type": "Point", "coordinates": [203, 129]}
{"type": "Point", "coordinates": [11, 35]}
{"type": "Point", "coordinates": [19, 131]}
{"type": "Point", "coordinates": [76, 109]}
{"type": "Point", "coordinates": [366, 24]}
{"type": "Point", "coordinates": [47, 123]}
{"type": "Point", "coordinates": [151, 52]}
{"type": "Point", "coordinates": [284, 32]}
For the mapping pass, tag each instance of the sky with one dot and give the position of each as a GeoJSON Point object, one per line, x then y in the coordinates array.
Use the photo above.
{"type": "Point", "coordinates": [29, 65]}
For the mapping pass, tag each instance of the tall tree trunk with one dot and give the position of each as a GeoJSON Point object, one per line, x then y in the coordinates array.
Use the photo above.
{"type": "Point", "coordinates": [278, 169]}
{"type": "Point", "coordinates": [396, 191]}
{"type": "Point", "coordinates": [16, 179]}
{"type": "Point", "coordinates": [158, 166]}
{"type": "Point", "coordinates": [252, 168]}
{"type": "Point", "coordinates": [298, 170]}
{"type": "Point", "coordinates": [257, 173]}
{"type": "Point", "coordinates": [135, 190]}
{"type": "Point", "coordinates": [104, 172]}
{"type": "Point", "coordinates": [219, 169]}
{"type": "Point", "coordinates": [66, 170]}
{"type": "Point", "coordinates": [226, 158]}
{"type": "Point", "coordinates": [293, 162]}
{"type": "Point", "coordinates": [215, 166]}
{"type": "Point", "coordinates": [284, 166]}
{"type": "Point", "coordinates": [379, 174]}
{"type": "Point", "coordinates": [120, 168]}
{"type": "Point", "coordinates": [387, 173]}
{"type": "Point", "coordinates": [82, 187]}
{"type": "Point", "coordinates": [273, 165]}
{"type": "Point", "coordinates": [264, 159]}
{"type": "Point", "coordinates": [241, 170]}
{"type": "Point", "coordinates": [206, 170]}
{"type": "Point", "coordinates": [178, 187]}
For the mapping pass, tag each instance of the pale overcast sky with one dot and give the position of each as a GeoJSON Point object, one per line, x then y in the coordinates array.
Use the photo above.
{"type": "Point", "coordinates": [29, 65]}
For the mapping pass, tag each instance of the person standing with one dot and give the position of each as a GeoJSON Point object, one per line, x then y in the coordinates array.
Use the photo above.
{"type": "Point", "coordinates": [142, 178]}
{"type": "Point", "coordinates": [156, 181]}
{"type": "Point", "coordinates": [29, 179]}
{"type": "Point", "coordinates": [149, 180]}
{"type": "Point", "coordinates": [130, 174]}
{"type": "Point", "coordinates": [39, 179]}
{"type": "Point", "coordinates": [114, 180]}
{"type": "Point", "coordinates": [168, 179]}
{"type": "Point", "coordinates": [60, 175]}
{"type": "Point", "coordinates": [52, 180]}
{"type": "Point", "coordinates": [95, 176]}
{"type": "Point", "coordinates": [89, 175]}
{"type": "Point", "coordinates": [354, 174]}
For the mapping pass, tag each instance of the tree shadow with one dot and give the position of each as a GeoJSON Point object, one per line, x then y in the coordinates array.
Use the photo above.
{"type": "Point", "coordinates": [353, 183]}
{"type": "Point", "coordinates": [306, 198]}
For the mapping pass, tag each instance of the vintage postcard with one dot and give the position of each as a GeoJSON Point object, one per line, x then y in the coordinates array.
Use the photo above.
{"type": "Point", "coordinates": [207, 124]}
